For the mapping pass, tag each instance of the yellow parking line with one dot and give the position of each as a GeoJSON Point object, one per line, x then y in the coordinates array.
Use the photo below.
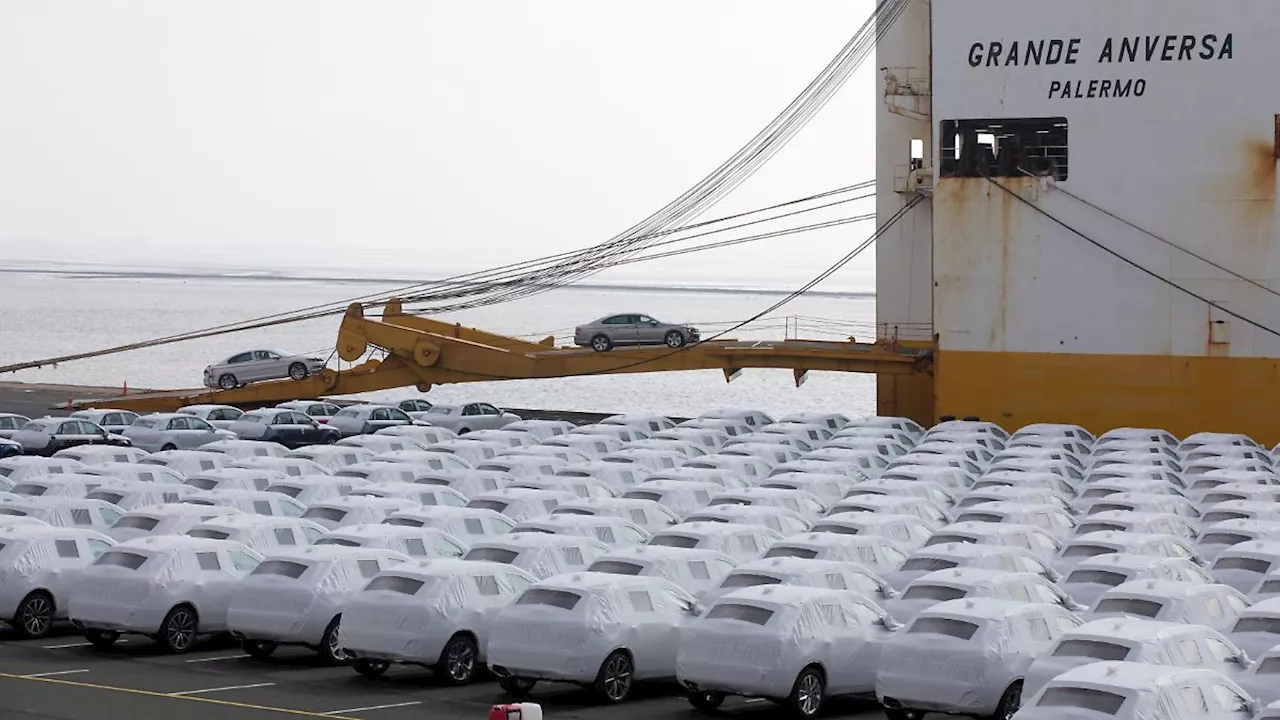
{"type": "Point", "coordinates": [185, 698]}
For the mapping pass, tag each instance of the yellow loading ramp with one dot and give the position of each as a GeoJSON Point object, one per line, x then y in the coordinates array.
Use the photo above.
{"type": "Point", "coordinates": [422, 352]}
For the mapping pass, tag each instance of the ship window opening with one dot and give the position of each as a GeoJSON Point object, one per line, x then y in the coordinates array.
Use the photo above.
{"type": "Point", "coordinates": [917, 153]}
{"type": "Point", "coordinates": [1004, 147]}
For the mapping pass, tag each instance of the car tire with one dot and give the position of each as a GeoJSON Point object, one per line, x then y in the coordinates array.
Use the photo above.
{"type": "Point", "coordinates": [169, 446]}
{"type": "Point", "coordinates": [298, 371]}
{"type": "Point", "coordinates": [601, 343]}
{"type": "Point", "coordinates": [463, 431]}
{"type": "Point", "coordinates": [616, 676]}
{"type": "Point", "coordinates": [516, 687]}
{"type": "Point", "coordinates": [459, 661]}
{"type": "Point", "coordinates": [330, 646]}
{"type": "Point", "coordinates": [372, 669]}
{"type": "Point", "coordinates": [259, 649]}
{"type": "Point", "coordinates": [674, 339]}
{"type": "Point", "coordinates": [101, 639]}
{"type": "Point", "coordinates": [705, 701]}
{"type": "Point", "coordinates": [179, 629]}
{"type": "Point", "coordinates": [1009, 702]}
{"type": "Point", "coordinates": [34, 618]}
{"type": "Point", "coordinates": [227, 381]}
{"type": "Point", "coordinates": [808, 694]}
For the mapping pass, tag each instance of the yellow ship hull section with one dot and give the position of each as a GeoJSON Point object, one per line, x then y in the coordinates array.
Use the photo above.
{"type": "Point", "coordinates": [1183, 394]}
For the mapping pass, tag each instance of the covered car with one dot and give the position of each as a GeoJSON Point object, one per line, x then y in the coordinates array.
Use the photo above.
{"type": "Point", "coordinates": [165, 519]}
{"type": "Point", "coordinates": [349, 510]}
{"type": "Point", "coordinates": [263, 533]}
{"type": "Point", "coordinates": [521, 504]}
{"type": "Point", "coordinates": [187, 462]}
{"type": "Point", "coordinates": [906, 531]}
{"type": "Point", "coordinates": [612, 531]}
{"type": "Point", "coordinates": [830, 574]}
{"type": "Point", "coordinates": [967, 656]}
{"type": "Point", "coordinates": [65, 511]}
{"type": "Point", "coordinates": [648, 514]}
{"type": "Point", "coordinates": [419, 543]}
{"type": "Point", "coordinates": [332, 457]}
{"type": "Point", "coordinates": [795, 645]}
{"type": "Point", "coordinates": [877, 553]}
{"type": "Point", "coordinates": [1217, 606]}
{"type": "Point", "coordinates": [953, 555]}
{"type": "Point", "coordinates": [259, 502]}
{"type": "Point", "coordinates": [131, 494]}
{"type": "Point", "coordinates": [308, 489]}
{"type": "Point", "coordinates": [136, 472]}
{"type": "Point", "coordinates": [1244, 565]}
{"type": "Point", "coordinates": [1028, 537]}
{"type": "Point", "coordinates": [170, 588]}
{"type": "Point", "coordinates": [540, 555]}
{"type": "Point", "coordinates": [434, 613]}
{"type": "Point", "coordinates": [1257, 629]}
{"type": "Point", "coordinates": [1096, 575]}
{"type": "Point", "coordinates": [942, 585]}
{"type": "Point", "coordinates": [1136, 640]}
{"type": "Point", "coordinates": [693, 569]}
{"type": "Point", "coordinates": [467, 524]}
{"type": "Point", "coordinates": [38, 565]}
{"type": "Point", "coordinates": [780, 520]}
{"type": "Point", "coordinates": [1221, 535]}
{"type": "Point", "coordinates": [244, 449]}
{"type": "Point", "coordinates": [98, 454]}
{"type": "Point", "coordinates": [740, 542]}
{"type": "Point", "coordinates": [295, 597]}
{"type": "Point", "coordinates": [1138, 691]}
{"type": "Point", "coordinates": [1104, 542]}
{"type": "Point", "coordinates": [598, 630]}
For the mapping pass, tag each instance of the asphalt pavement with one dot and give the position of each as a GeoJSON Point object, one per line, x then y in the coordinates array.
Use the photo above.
{"type": "Point", "coordinates": [63, 677]}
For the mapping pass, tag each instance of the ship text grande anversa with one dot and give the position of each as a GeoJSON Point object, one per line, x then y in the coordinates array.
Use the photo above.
{"type": "Point", "coordinates": [1068, 51]}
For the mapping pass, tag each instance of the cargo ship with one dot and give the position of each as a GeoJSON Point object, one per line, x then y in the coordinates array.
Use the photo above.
{"type": "Point", "coordinates": [1099, 247]}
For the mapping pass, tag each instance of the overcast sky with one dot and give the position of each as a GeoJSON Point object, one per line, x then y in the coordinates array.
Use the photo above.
{"type": "Point", "coordinates": [413, 137]}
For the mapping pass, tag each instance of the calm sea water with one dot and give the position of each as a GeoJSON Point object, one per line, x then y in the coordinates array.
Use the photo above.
{"type": "Point", "coordinates": [45, 315]}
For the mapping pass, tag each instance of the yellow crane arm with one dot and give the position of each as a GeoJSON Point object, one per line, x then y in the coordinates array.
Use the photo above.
{"type": "Point", "coordinates": [422, 352]}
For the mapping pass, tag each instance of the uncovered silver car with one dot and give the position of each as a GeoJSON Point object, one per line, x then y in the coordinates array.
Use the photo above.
{"type": "Point", "coordinates": [255, 365]}
{"type": "Point", "coordinates": [632, 329]}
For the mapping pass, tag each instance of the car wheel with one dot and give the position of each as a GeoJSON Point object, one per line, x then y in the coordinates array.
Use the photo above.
{"type": "Point", "coordinates": [298, 371]}
{"type": "Point", "coordinates": [614, 679]}
{"type": "Point", "coordinates": [259, 649]}
{"type": "Point", "coordinates": [674, 339]}
{"type": "Point", "coordinates": [516, 687]}
{"type": "Point", "coordinates": [601, 343]}
{"type": "Point", "coordinates": [34, 618]}
{"type": "Point", "coordinates": [101, 639]}
{"type": "Point", "coordinates": [178, 631]}
{"type": "Point", "coordinates": [227, 381]}
{"type": "Point", "coordinates": [706, 701]}
{"type": "Point", "coordinates": [169, 446]}
{"type": "Point", "coordinates": [1009, 702]}
{"type": "Point", "coordinates": [458, 660]}
{"type": "Point", "coordinates": [809, 692]}
{"type": "Point", "coordinates": [331, 645]}
{"type": "Point", "coordinates": [464, 431]}
{"type": "Point", "coordinates": [371, 669]}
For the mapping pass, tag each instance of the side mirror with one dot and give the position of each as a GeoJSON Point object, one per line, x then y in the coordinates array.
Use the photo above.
{"type": "Point", "coordinates": [653, 322]}
{"type": "Point", "coordinates": [888, 592]}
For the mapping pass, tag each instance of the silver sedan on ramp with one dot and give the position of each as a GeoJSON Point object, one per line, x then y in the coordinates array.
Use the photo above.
{"type": "Point", "coordinates": [255, 365]}
{"type": "Point", "coordinates": [632, 329]}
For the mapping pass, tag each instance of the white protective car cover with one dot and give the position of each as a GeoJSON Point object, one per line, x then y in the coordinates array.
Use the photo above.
{"type": "Point", "coordinates": [394, 618]}
{"type": "Point", "coordinates": [612, 531]}
{"type": "Point", "coordinates": [1142, 692]}
{"type": "Point", "coordinates": [648, 514]}
{"type": "Point", "coordinates": [1127, 639]}
{"type": "Point", "coordinates": [1242, 566]}
{"type": "Point", "coordinates": [755, 641]}
{"type": "Point", "coordinates": [536, 638]}
{"type": "Point", "coordinates": [878, 553]}
{"type": "Point", "coordinates": [1262, 680]}
{"type": "Point", "coordinates": [259, 502]}
{"type": "Point", "coordinates": [1173, 601]}
{"type": "Point", "coordinates": [961, 655]}
{"type": "Point", "coordinates": [740, 542]}
{"type": "Point", "coordinates": [136, 471]}
{"type": "Point", "coordinates": [780, 520]}
{"type": "Point", "coordinates": [539, 554]}
{"type": "Point", "coordinates": [521, 504]}
{"type": "Point", "coordinates": [952, 555]}
{"type": "Point", "coordinates": [29, 560]}
{"type": "Point", "coordinates": [168, 519]}
{"type": "Point", "coordinates": [332, 457]}
{"type": "Point", "coordinates": [692, 569]}
{"type": "Point", "coordinates": [1257, 630]}
{"type": "Point", "coordinates": [125, 598]}
{"type": "Point", "coordinates": [73, 485]}
{"type": "Point", "coordinates": [275, 603]}
{"type": "Point", "coordinates": [16, 469]}
{"type": "Point", "coordinates": [417, 492]}
{"type": "Point", "coordinates": [132, 494]}
{"type": "Point", "coordinates": [348, 510]}
{"type": "Point", "coordinates": [1091, 578]}
{"type": "Point", "coordinates": [263, 533]}
{"type": "Point", "coordinates": [801, 572]}
{"type": "Point", "coordinates": [469, 524]}
{"type": "Point", "coordinates": [416, 542]}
